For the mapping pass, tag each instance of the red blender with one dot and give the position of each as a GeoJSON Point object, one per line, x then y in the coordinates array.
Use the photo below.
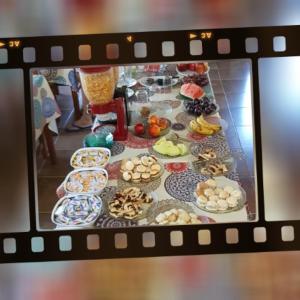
{"type": "Point", "coordinates": [98, 84]}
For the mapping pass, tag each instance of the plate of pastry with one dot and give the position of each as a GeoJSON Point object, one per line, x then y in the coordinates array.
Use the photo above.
{"type": "Point", "coordinates": [209, 150]}
{"type": "Point", "coordinates": [130, 203]}
{"type": "Point", "coordinates": [86, 181]}
{"type": "Point", "coordinates": [215, 167]}
{"type": "Point", "coordinates": [90, 157]}
{"type": "Point", "coordinates": [141, 169]}
{"type": "Point", "coordinates": [79, 210]}
{"type": "Point", "coordinates": [174, 212]}
{"type": "Point", "coordinates": [219, 195]}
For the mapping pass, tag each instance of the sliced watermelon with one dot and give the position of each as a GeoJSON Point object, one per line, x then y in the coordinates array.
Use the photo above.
{"type": "Point", "coordinates": [191, 91]}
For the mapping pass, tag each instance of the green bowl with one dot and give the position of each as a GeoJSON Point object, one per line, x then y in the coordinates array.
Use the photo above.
{"type": "Point", "coordinates": [98, 140]}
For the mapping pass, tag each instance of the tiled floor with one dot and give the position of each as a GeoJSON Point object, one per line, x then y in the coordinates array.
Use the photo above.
{"type": "Point", "coordinates": [231, 84]}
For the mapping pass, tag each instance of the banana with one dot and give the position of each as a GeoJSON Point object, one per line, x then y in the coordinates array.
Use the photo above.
{"type": "Point", "coordinates": [201, 121]}
{"type": "Point", "coordinates": [200, 129]}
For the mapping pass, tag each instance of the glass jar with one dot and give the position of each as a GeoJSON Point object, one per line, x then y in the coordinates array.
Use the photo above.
{"type": "Point", "coordinates": [98, 84]}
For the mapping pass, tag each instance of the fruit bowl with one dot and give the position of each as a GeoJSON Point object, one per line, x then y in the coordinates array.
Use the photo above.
{"type": "Point", "coordinates": [201, 106]}
{"type": "Point", "coordinates": [205, 126]}
{"type": "Point", "coordinates": [193, 68]}
{"type": "Point", "coordinates": [151, 130]}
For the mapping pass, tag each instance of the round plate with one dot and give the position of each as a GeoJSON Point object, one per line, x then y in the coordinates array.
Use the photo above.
{"type": "Point", "coordinates": [211, 114]}
{"type": "Point", "coordinates": [143, 183]}
{"type": "Point", "coordinates": [73, 211]}
{"type": "Point", "coordinates": [130, 92]}
{"type": "Point", "coordinates": [103, 172]}
{"type": "Point", "coordinates": [147, 136]}
{"type": "Point", "coordinates": [165, 156]}
{"type": "Point", "coordinates": [165, 205]}
{"type": "Point", "coordinates": [221, 182]}
{"type": "Point", "coordinates": [77, 159]}
{"type": "Point", "coordinates": [143, 81]}
{"type": "Point", "coordinates": [220, 147]}
{"type": "Point", "coordinates": [213, 120]}
{"type": "Point", "coordinates": [130, 83]}
{"type": "Point", "coordinates": [145, 207]}
{"type": "Point", "coordinates": [229, 162]}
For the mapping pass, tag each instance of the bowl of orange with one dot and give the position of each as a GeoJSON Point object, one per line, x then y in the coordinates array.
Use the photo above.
{"type": "Point", "coordinates": [153, 127]}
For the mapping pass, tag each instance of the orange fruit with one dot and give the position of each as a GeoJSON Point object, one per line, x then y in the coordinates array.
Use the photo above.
{"type": "Point", "coordinates": [200, 68]}
{"type": "Point", "coordinates": [163, 123]}
{"type": "Point", "coordinates": [153, 119]}
{"type": "Point", "coordinates": [154, 130]}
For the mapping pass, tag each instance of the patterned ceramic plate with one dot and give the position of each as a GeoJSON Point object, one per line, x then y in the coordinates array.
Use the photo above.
{"type": "Point", "coordinates": [90, 157]}
{"type": "Point", "coordinates": [203, 167]}
{"type": "Point", "coordinates": [182, 185]}
{"type": "Point", "coordinates": [220, 147]}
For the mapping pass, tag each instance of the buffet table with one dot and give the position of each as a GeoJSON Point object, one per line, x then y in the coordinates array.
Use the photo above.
{"type": "Point", "coordinates": [179, 179]}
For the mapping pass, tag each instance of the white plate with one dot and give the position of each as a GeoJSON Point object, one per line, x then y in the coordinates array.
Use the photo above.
{"type": "Point", "coordinates": [103, 171]}
{"type": "Point", "coordinates": [83, 152]}
{"type": "Point", "coordinates": [130, 83]}
{"type": "Point", "coordinates": [143, 82]}
{"type": "Point", "coordinates": [64, 226]}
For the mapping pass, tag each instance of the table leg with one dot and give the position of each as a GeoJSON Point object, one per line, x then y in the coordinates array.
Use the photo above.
{"type": "Point", "coordinates": [50, 144]}
{"type": "Point", "coordinates": [77, 111]}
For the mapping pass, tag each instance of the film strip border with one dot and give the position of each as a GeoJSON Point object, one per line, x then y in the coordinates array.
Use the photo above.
{"type": "Point", "coordinates": [146, 47]}
{"type": "Point", "coordinates": [123, 48]}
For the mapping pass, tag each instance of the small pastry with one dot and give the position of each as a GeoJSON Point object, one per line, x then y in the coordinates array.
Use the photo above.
{"type": "Point", "coordinates": [214, 198]}
{"type": "Point", "coordinates": [211, 183]}
{"type": "Point", "coordinates": [145, 176]}
{"type": "Point", "coordinates": [223, 195]}
{"type": "Point", "coordinates": [202, 200]}
{"type": "Point", "coordinates": [209, 192]}
{"type": "Point", "coordinates": [123, 164]}
{"type": "Point", "coordinates": [136, 161]}
{"type": "Point", "coordinates": [155, 167]}
{"type": "Point", "coordinates": [141, 169]}
{"type": "Point", "coordinates": [153, 158]}
{"type": "Point", "coordinates": [232, 201]}
{"type": "Point", "coordinates": [229, 189]}
{"type": "Point", "coordinates": [236, 193]}
{"type": "Point", "coordinates": [160, 218]}
{"type": "Point", "coordinates": [136, 177]}
{"type": "Point", "coordinates": [217, 191]}
{"type": "Point", "coordinates": [172, 218]}
{"type": "Point", "coordinates": [144, 160]}
{"type": "Point", "coordinates": [127, 176]}
{"type": "Point", "coordinates": [211, 205]}
{"type": "Point", "coordinates": [183, 215]}
{"type": "Point", "coordinates": [129, 166]}
{"type": "Point", "coordinates": [222, 204]}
